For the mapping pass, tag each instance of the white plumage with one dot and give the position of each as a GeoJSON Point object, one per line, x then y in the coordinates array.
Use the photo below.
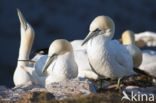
{"type": "Point", "coordinates": [60, 63]}
{"type": "Point", "coordinates": [27, 36]}
{"type": "Point", "coordinates": [149, 62]}
{"type": "Point", "coordinates": [128, 40]}
{"type": "Point", "coordinates": [146, 38]}
{"type": "Point", "coordinates": [107, 57]}
{"type": "Point", "coordinates": [25, 72]}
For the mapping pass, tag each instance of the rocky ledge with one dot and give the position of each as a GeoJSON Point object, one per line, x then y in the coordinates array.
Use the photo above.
{"type": "Point", "coordinates": [80, 90]}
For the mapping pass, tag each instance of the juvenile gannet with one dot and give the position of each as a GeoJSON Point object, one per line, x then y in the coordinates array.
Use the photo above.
{"type": "Point", "coordinates": [60, 63]}
{"type": "Point", "coordinates": [27, 37]}
{"type": "Point", "coordinates": [128, 40]}
{"type": "Point", "coordinates": [107, 57]}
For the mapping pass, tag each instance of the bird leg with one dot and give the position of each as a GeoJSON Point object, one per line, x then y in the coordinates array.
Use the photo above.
{"type": "Point", "coordinates": [118, 84]}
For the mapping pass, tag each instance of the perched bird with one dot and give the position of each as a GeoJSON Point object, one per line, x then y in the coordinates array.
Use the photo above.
{"type": "Point", "coordinates": [25, 73]}
{"type": "Point", "coordinates": [108, 58]}
{"type": "Point", "coordinates": [27, 37]}
{"type": "Point", "coordinates": [81, 59]}
{"type": "Point", "coordinates": [60, 63]}
{"type": "Point", "coordinates": [128, 40]}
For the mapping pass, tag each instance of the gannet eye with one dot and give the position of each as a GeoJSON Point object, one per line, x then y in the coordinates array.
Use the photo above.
{"type": "Point", "coordinates": [97, 30]}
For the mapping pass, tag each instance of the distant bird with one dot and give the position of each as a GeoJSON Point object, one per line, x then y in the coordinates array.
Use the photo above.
{"type": "Point", "coordinates": [146, 38]}
{"type": "Point", "coordinates": [60, 63]}
{"type": "Point", "coordinates": [128, 40]}
{"type": "Point", "coordinates": [108, 58]}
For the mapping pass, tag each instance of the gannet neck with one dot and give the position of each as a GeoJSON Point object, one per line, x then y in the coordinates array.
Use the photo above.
{"type": "Point", "coordinates": [128, 37]}
{"type": "Point", "coordinates": [105, 24]}
{"type": "Point", "coordinates": [27, 38]}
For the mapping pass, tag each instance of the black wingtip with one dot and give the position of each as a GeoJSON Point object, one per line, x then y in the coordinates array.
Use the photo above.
{"type": "Point", "coordinates": [43, 51]}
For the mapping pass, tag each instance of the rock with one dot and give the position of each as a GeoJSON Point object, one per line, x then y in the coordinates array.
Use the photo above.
{"type": "Point", "coordinates": [71, 88]}
{"type": "Point", "coordinates": [36, 96]}
{"type": "Point", "coordinates": [33, 93]}
{"type": "Point", "coordinates": [19, 92]}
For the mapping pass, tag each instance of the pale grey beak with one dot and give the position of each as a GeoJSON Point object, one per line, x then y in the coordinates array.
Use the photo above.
{"type": "Point", "coordinates": [48, 62]}
{"type": "Point", "coordinates": [90, 36]}
{"type": "Point", "coordinates": [22, 19]}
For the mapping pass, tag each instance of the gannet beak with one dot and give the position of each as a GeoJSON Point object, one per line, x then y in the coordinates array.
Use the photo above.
{"type": "Point", "coordinates": [90, 36]}
{"type": "Point", "coordinates": [48, 62]}
{"type": "Point", "coordinates": [22, 20]}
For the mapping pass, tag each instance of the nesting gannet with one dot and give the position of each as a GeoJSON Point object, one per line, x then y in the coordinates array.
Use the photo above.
{"type": "Point", "coordinates": [128, 40]}
{"type": "Point", "coordinates": [107, 57]}
{"type": "Point", "coordinates": [27, 37]}
{"type": "Point", "coordinates": [60, 63]}
{"type": "Point", "coordinates": [81, 59]}
{"type": "Point", "coordinates": [148, 64]}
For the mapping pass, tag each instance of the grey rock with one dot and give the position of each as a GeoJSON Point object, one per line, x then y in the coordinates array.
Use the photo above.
{"type": "Point", "coordinates": [61, 90]}
{"type": "Point", "coordinates": [16, 93]}
{"type": "Point", "coordinates": [71, 88]}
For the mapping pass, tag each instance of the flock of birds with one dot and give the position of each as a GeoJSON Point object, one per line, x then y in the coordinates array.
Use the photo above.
{"type": "Point", "coordinates": [95, 57]}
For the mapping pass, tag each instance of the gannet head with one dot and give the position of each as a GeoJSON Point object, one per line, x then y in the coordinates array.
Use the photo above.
{"type": "Point", "coordinates": [25, 26]}
{"type": "Point", "coordinates": [27, 37]}
{"type": "Point", "coordinates": [128, 37]}
{"type": "Point", "coordinates": [57, 47]}
{"type": "Point", "coordinates": [101, 25]}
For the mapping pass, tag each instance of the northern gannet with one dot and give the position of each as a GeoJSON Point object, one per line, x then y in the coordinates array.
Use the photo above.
{"type": "Point", "coordinates": [128, 40]}
{"type": "Point", "coordinates": [25, 72]}
{"type": "Point", "coordinates": [107, 57]}
{"type": "Point", "coordinates": [60, 63]}
{"type": "Point", "coordinates": [27, 37]}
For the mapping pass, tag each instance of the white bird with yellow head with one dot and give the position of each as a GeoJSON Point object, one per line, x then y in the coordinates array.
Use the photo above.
{"type": "Point", "coordinates": [107, 57]}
